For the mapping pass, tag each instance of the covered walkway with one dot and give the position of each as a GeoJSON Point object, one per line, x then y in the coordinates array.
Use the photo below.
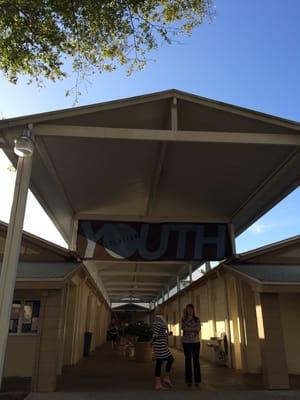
{"type": "Point", "coordinates": [106, 374]}
{"type": "Point", "coordinates": [143, 190]}
{"type": "Point", "coordinates": [107, 371]}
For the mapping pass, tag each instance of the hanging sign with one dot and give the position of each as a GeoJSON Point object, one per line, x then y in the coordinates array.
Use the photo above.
{"type": "Point", "coordinates": [142, 241]}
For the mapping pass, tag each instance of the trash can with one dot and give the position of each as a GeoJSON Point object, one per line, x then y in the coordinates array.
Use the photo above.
{"type": "Point", "coordinates": [87, 344]}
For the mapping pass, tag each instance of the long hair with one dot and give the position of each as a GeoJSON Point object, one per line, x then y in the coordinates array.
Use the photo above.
{"type": "Point", "coordinates": [159, 317]}
{"type": "Point", "coordinates": [185, 313]}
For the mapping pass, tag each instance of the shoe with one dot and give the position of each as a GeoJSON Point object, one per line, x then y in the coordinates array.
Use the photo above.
{"type": "Point", "coordinates": [161, 388]}
{"type": "Point", "coordinates": [167, 383]}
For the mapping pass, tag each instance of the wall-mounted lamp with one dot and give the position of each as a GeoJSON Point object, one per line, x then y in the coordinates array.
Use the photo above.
{"type": "Point", "coordinates": [24, 145]}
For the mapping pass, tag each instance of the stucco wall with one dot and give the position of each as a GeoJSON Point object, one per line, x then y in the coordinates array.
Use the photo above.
{"type": "Point", "coordinates": [290, 317]}
{"type": "Point", "coordinates": [210, 301]}
{"type": "Point", "coordinates": [252, 347]}
{"type": "Point", "coordinates": [86, 312]}
{"type": "Point", "coordinates": [20, 355]}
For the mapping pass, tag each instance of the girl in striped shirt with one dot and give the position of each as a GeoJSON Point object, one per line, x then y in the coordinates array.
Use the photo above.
{"type": "Point", "coordinates": [162, 353]}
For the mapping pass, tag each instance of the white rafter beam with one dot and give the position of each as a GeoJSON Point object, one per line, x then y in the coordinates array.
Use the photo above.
{"type": "Point", "coordinates": [292, 139]}
{"type": "Point", "coordinates": [132, 274]}
{"type": "Point", "coordinates": [104, 217]}
{"type": "Point", "coordinates": [133, 290]}
{"type": "Point", "coordinates": [120, 283]}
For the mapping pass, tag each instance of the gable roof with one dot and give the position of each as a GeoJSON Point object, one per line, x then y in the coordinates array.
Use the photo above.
{"type": "Point", "coordinates": [45, 271]}
{"type": "Point", "coordinates": [265, 273]}
{"type": "Point", "coordinates": [272, 251]}
{"type": "Point", "coordinates": [150, 98]}
{"type": "Point", "coordinates": [166, 156]}
{"type": "Point", "coordinates": [34, 248]}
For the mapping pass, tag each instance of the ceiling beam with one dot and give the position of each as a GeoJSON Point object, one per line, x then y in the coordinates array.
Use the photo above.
{"type": "Point", "coordinates": [130, 289]}
{"type": "Point", "coordinates": [132, 273]}
{"type": "Point", "coordinates": [124, 283]}
{"type": "Point", "coordinates": [287, 173]}
{"type": "Point", "coordinates": [130, 301]}
{"type": "Point", "coordinates": [140, 218]}
{"type": "Point", "coordinates": [131, 295]}
{"type": "Point", "coordinates": [168, 135]}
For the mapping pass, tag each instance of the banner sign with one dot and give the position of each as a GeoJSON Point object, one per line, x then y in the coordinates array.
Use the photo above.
{"type": "Point", "coordinates": [142, 241]}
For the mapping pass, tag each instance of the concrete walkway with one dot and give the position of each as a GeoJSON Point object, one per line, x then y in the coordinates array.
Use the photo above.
{"type": "Point", "coordinates": [107, 370]}
{"type": "Point", "coordinates": [106, 375]}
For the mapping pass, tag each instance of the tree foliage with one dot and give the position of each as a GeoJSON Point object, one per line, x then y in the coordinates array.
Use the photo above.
{"type": "Point", "coordinates": [37, 37]}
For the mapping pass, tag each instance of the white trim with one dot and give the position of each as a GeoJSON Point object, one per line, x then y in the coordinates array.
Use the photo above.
{"type": "Point", "coordinates": [131, 273]}
{"type": "Point", "coordinates": [124, 283]}
{"type": "Point", "coordinates": [130, 289]}
{"type": "Point", "coordinates": [86, 215]}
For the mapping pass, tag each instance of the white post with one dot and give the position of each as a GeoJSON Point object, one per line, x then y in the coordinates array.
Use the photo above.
{"type": "Point", "coordinates": [178, 284]}
{"type": "Point", "coordinates": [191, 273]}
{"type": "Point", "coordinates": [207, 266]}
{"type": "Point", "coordinates": [12, 250]}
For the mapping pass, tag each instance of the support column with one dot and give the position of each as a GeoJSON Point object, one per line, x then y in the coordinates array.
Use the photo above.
{"type": "Point", "coordinates": [178, 284]}
{"type": "Point", "coordinates": [271, 340]}
{"type": "Point", "coordinates": [44, 379]}
{"type": "Point", "coordinates": [12, 251]}
{"type": "Point", "coordinates": [190, 273]}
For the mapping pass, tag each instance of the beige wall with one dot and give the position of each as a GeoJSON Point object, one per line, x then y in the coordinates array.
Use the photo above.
{"type": "Point", "coordinates": [86, 312]}
{"type": "Point", "coordinates": [252, 348]}
{"type": "Point", "coordinates": [20, 355]}
{"type": "Point", "coordinates": [227, 304]}
{"type": "Point", "coordinates": [65, 315]}
{"type": "Point", "coordinates": [210, 302]}
{"type": "Point", "coordinates": [47, 351]}
{"type": "Point", "coordinates": [290, 317]}
{"type": "Point", "coordinates": [223, 304]}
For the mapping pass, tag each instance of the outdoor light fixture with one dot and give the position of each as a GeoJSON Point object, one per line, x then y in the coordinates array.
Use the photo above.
{"type": "Point", "coordinates": [24, 144]}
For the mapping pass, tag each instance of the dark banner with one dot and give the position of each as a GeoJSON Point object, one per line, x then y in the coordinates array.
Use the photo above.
{"type": "Point", "coordinates": [141, 241]}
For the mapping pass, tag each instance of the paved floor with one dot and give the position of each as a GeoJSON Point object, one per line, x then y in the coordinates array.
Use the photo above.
{"type": "Point", "coordinates": [106, 370]}
{"type": "Point", "coordinates": [107, 375]}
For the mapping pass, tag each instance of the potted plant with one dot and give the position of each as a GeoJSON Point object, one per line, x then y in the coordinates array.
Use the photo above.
{"type": "Point", "coordinates": [130, 333]}
{"type": "Point", "coordinates": [143, 347]}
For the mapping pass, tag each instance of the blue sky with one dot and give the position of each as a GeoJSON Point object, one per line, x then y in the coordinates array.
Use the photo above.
{"type": "Point", "coordinates": [248, 55]}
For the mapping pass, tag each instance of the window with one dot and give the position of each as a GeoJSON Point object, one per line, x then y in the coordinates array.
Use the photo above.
{"type": "Point", "coordinates": [24, 316]}
{"type": "Point", "coordinates": [15, 317]}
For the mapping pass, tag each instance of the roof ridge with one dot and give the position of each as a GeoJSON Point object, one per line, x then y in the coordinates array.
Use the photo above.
{"type": "Point", "coordinates": [164, 94]}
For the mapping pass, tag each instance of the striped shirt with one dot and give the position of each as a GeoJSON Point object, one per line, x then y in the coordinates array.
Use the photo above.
{"type": "Point", "coordinates": [190, 329]}
{"type": "Point", "coordinates": [160, 340]}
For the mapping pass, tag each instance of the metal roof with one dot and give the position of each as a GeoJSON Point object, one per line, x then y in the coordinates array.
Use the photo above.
{"type": "Point", "coordinates": [45, 271]}
{"type": "Point", "coordinates": [167, 156]}
{"type": "Point", "coordinates": [270, 273]}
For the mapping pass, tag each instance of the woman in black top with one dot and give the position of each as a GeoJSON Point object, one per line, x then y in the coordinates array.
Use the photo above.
{"type": "Point", "coordinates": [113, 333]}
{"type": "Point", "coordinates": [190, 326]}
